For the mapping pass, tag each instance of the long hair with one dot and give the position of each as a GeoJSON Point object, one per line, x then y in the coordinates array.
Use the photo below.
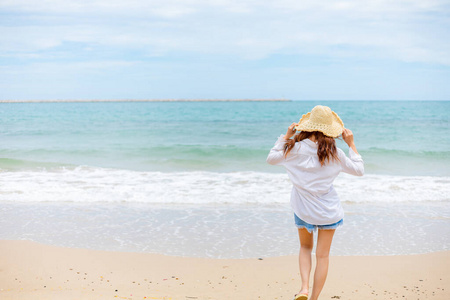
{"type": "Point", "coordinates": [326, 149]}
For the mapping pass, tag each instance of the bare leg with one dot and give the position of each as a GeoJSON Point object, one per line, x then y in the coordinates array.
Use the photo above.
{"type": "Point", "coordinates": [324, 239]}
{"type": "Point", "coordinates": [306, 246]}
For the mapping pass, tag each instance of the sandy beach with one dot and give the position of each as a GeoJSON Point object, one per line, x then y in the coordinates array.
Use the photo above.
{"type": "Point", "coordinates": [29, 270]}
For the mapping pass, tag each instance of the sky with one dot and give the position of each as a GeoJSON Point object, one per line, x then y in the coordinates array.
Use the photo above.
{"type": "Point", "coordinates": [218, 49]}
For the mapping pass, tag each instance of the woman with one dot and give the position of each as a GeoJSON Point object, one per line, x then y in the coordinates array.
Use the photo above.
{"type": "Point", "coordinates": [312, 162]}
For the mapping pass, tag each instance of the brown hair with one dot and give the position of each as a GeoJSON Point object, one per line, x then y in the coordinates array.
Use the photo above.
{"type": "Point", "coordinates": [326, 149]}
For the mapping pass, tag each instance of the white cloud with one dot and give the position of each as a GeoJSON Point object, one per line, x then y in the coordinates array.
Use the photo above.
{"type": "Point", "coordinates": [406, 30]}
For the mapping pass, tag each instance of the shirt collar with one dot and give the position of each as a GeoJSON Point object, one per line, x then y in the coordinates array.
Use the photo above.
{"type": "Point", "coordinates": [309, 142]}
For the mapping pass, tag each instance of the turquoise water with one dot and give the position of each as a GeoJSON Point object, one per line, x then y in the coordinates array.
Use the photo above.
{"type": "Point", "coordinates": [396, 138]}
{"type": "Point", "coordinates": [151, 176]}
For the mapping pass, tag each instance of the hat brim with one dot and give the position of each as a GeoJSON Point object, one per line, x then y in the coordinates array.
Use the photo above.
{"type": "Point", "coordinates": [333, 130]}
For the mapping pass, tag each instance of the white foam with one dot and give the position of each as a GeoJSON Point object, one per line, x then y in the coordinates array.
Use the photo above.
{"type": "Point", "coordinates": [89, 184]}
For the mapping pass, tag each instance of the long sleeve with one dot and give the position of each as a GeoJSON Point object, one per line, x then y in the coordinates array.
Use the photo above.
{"type": "Point", "coordinates": [276, 154]}
{"type": "Point", "coordinates": [353, 165]}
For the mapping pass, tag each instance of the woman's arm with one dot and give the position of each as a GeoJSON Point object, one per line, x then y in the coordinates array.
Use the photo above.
{"type": "Point", "coordinates": [347, 135]}
{"type": "Point", "coordinates": [276, 154]}
{"type": "Point", "coordinates": [355, 164]}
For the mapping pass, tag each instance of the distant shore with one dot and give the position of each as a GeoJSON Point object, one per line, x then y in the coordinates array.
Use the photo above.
{"type": "Point", "coordinates": [145, 100]}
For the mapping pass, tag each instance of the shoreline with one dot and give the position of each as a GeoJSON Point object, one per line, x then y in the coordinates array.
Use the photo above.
{"type": "Point", "coordinates": [143, 100]}
{"type": "Point", "coordinates": [29, 270]}
{"type": "Point", "coordinates": [221, 231]}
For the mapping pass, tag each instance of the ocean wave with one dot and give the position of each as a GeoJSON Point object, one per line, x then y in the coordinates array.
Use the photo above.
{"type": "Point", "coordinates": [11, 164]}
{"type": "Point", "coordinates": [93, 184]}
{"type": "Point", "coordinates": [405, 153]}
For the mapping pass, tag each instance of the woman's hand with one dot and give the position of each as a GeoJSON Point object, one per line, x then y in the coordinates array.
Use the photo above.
{"type": "Point", "coordinates": [291, 131]}
{"type": "Point", "coordinates": [347, 135]}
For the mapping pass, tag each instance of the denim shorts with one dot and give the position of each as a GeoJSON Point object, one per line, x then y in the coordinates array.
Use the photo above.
{"type": "Point", "coordinates": [302, 224]}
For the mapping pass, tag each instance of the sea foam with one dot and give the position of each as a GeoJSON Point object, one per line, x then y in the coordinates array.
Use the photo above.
{"type": "Point", "coordinates": [93, 184]}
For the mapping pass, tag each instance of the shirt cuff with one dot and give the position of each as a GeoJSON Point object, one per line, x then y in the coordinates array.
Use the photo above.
{"type": "Point", "coordinates": [354, 156]}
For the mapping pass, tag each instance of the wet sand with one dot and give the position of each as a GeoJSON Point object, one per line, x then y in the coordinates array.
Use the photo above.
{"type": "Point", "coordinates": [30, 270]}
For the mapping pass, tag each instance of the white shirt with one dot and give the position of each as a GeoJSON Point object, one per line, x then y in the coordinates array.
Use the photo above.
{"type": "Point", "coordinates": [313, 197]}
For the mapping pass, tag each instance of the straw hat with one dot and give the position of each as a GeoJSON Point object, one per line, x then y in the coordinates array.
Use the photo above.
{"type": "Point", "coordinates": [323, 119]}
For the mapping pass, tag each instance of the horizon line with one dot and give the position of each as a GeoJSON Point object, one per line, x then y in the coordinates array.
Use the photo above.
{"type": "Point", "coordinates": [200, 100]}
{"type": "Point", "coordinates": [144, 100]}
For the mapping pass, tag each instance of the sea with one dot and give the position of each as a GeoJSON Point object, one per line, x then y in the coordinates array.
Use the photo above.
{"type": "Point", "coordinates": [191, 178]}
